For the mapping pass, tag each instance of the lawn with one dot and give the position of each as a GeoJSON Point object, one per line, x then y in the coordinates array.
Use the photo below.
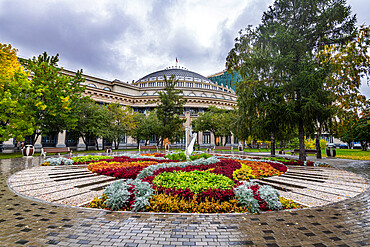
{"type": "Point", "coordinates": [354, 154]}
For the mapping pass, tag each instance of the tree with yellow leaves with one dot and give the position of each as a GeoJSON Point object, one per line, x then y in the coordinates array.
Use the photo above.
{"type": "Point", "coordinates": [350, 63]}
{"type": "Point", "coordinates": [16, 121]}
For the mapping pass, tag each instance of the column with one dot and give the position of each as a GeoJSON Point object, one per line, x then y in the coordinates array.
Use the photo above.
{"type": "Point", "coordinates": [131, 142]}
{"type": "Point", "coordinates": [61, 139]}
{"type": "Point", "coordinates": [38, 144]}
{"type": "Point", "coordinates": [100, 143]}
{"type": "Point", "coordinates": [8, 146]}
{"type": "Point", "coordinates": [81, 145]}
{"type": "Point", "coordinates": [213, 139]}
{"type": "Point", "coordinates": [200, 137]}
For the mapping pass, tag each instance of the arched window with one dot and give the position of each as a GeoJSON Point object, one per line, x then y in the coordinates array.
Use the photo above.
{"type": "Point", "coordinates": [107, 88]}
{"type": "Point", "coordinates": [144, 94]}
{"type": "Point", "coordinates": [213, 96]}
{"type": "Point", "coordinates": [192, 94]}
{"type": "Point", "coordinates": [203, 95]}
{"type": "Point", "coordinates": [91, 85]}
{"type": "Point", "coordinates": [156, 93]}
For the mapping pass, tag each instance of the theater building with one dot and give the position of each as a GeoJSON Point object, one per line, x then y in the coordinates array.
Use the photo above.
{"type": "Point", "coordinates": [200, 91]}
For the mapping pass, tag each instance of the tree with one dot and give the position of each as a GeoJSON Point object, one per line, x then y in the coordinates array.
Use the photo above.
{"type": "Point", "coordinates": [170, 107]}
{"type": "Point", "coordinates": [148, 126]}
{"type": "Point", "coordinates": [218, 121]}
{"type": "Point", "coordinates": [15, 119]}
{"type": "Point", "coordinates": [56, 96]}
{"type": "Point", "coordinates": [93, 121]}
{"type": "Point", "coordinates": [291, 35]}
{"type": "Point", "coordinates": [123, 121]}
{"type": "Point", "coordinates": [350, 62]}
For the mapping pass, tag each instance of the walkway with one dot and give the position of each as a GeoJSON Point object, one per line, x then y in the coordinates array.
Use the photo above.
{"type": "Point", "coordinates": [34, 223]}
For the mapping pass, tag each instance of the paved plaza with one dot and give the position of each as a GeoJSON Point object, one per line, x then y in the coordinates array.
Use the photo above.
{"type": "Point", "coordinates": [27, 221]}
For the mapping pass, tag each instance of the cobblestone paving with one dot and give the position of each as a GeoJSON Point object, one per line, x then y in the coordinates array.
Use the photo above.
{"type": "Point", "coordinates": [25, 222]}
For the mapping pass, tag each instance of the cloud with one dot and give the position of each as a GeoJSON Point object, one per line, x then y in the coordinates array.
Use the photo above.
{"type": "Point", "coordinates": [84, 39]}
{"type": "Point", "coordinates": [129, 39]}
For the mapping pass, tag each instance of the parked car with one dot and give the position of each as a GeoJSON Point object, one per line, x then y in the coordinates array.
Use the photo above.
{"type": "Point", "coordinates": [331, 145]}
{"type": "Point", "coordinates": [357, 146]}
{"type": "Point", "coordinates": [343, 146]}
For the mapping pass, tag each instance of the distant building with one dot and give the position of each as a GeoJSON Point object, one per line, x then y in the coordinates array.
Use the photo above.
{"type": "Point", "coordinates": [225, 79]}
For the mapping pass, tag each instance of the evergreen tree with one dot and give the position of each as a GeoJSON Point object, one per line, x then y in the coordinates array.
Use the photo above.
{"type": "Point", "coordinates": [170, 107]}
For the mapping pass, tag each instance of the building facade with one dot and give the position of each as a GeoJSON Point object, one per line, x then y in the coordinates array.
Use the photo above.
{"type": "Point", "coordinates": [200, 91]}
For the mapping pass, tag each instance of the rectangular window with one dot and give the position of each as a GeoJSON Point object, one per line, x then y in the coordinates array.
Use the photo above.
{"type": "Point", "coordinates": [198, 85]}
{"type": "Point", "coordinates": [160, 84]}
{"type": "Point", "coordinates": [189, 84]}
{"type": "Point", "coordinates": [151, 84]}
{"type": "Point", "coordinates": [236, 140]}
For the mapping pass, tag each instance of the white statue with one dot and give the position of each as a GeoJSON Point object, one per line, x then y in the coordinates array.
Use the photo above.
{"type": "Point", "coordinates": [189, 149]}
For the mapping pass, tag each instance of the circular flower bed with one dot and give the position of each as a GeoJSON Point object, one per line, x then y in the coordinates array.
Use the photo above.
{"type": "Point", "coordinates": [211, 185]}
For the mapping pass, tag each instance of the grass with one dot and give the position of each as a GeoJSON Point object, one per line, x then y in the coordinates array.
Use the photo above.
{"type": "Point", "coordinates": [354, 154]}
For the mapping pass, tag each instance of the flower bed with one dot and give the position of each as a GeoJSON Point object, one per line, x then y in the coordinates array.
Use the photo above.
{"type": "Point", "coordinates": [295, 162]}
{"type": "Point", "coordinates": [206, 186]}
{"type": "Point", "coordinates": [124, 166]}
{"type": "Point", "coordinates": [153, 154]}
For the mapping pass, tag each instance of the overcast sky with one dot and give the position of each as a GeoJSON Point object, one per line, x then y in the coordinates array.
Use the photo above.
{"type": "Point", "coordinates": [129, 39]}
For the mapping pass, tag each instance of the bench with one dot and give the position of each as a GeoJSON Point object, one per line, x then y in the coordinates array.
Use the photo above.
{"type": "Point", "coordinates": [148, 148]}
{"type": "Point", "coordinates": [45, 151]}
{"type": "Point", "coordinates": [308, 151]}
{"type": "Point", "coordinates": [223, 148]}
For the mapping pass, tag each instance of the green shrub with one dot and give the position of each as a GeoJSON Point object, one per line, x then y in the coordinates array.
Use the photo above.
{"type": "Point", "coordinates": [270, 196]}
{"type": "Point", "coordinates": [195, 181]}
{"type": "Point", "coordinates": [246, 198]}
{"type": "Point", "coordinates": [57, 162]}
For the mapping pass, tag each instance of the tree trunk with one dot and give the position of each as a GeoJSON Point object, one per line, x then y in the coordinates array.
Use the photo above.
{"type": "Point", "coordinates": [85, 141]}
{"type": "Point", "coordinates": [318, 148]}
{"type": "Point", "coordinates": [138, 143]}
{"type": "Point", "coordinates": [272, 145]}
{"type": "Point", "coordinates": [302, 152]}
{"type": "Point", "coordinates": [96, 144]}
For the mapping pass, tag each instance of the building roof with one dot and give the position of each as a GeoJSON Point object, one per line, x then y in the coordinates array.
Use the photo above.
{"type": "Point", "coordinates": [178, 72]}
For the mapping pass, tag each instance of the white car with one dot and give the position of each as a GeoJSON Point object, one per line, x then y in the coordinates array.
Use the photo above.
{"type": "Point", "coordinates": [357, 146]}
